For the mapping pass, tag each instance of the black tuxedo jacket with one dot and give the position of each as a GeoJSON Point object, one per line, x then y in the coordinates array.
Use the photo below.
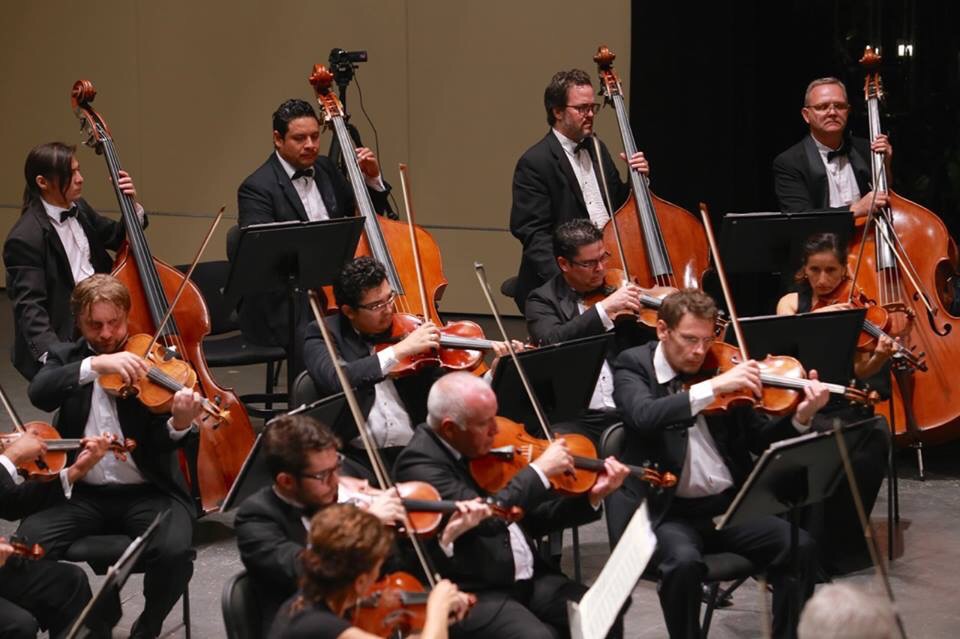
{"type": "Point", "coordinates": [482, 558]}
{"type": "Point", "coordinates": [800, 179]}
{"type": "Point", "coordinates": [657, 425]}
{"type": "Point", "coordinates": [268, 195]}
{"type": "Point", "coordinates": [57, 387]}
{"type": "Point", "coordinates": [39, 279]}
{"type": "Point", "coordinates": [553, 316]}
{"type": "Point", "coordinates": [19, 500]}
{"type": "Point", "coordinates": [546, 194]}
{"type": "Point", "coordinates": [363, 371]}
{"type": "Point", "coordinates": [270, 536]}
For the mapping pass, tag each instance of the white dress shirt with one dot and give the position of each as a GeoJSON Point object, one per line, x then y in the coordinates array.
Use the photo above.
{"type": "Point", "coordinates": [589, 185]}
{"type": "Point", "coordinates": [306, 187]}
{"type": "Point", "coordinates": [602, 398]}
{"type": "Point", "coordinates": [388, 420]}
{"type": "Point", "coordinates": [841, 180]}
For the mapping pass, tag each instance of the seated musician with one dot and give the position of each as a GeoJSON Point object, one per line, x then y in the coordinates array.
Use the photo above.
{"type": "Point", "coordinates": [41, 594]}
{"type": "Point", "coordinates": [391, 407]}
{"type": "Point", "coordinates": [557, 311]}
{"type": "Point", "coordinates": [297, 183]}
{"type": "Point", "coordinates": [57, 241]}
{"type": "Point", "coordinates": [710, 455]}
{"type": "Point", "coordinates": [272, 524]}
{"type": "Point", "coordinates": [556, 180]}
{"type": "Point", "coordinates": [823, 272]}
{"type": "Point", "coordinates": [344, 558]}
{"type": "Point", "coordinates": [519, 594]}
{"type": "Point", "coordinates": [118, 496]}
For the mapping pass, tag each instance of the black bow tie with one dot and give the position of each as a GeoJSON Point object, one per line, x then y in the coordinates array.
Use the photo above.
{"type": "Point", "coordinates": [843, 150]}
{"type": "Point", "coordinates": [66, 215]}
{"type": "Point", "coordinates": [299, 173]}
{"type": "Point", "coordinates": [586, 144]}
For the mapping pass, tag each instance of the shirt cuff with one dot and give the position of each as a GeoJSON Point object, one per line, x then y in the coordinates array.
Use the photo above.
{"type": "Point", "coordinates": [800, 427]}
{"type": "Point", "coordinates": [87, 374]}
{"type": "Point", "coordinates": [175, 434]}
{"type": "Point", "coordinates": [8, 464]}
{"type": "Point", "coordinates": [447, 549]}
{"type": "Point", "coordinates": [65, 483]}
{"type": "Point", "coordinates": [140, 212]}
{"type": "Point", "coordinates": [375, 183]}
{"type": "Point", "coordinates": [388, 360]}
{"type": "Point", "coordinates": [541, 475]}
{"type": "Point", "coordinates": [701, 395]}
{"type": "Point", "coordinates": [604, 318]}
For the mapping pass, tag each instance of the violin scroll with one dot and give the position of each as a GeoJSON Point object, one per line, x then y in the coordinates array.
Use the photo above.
{"type": "Point", "coordinates": [27, 551]}
{"type": "Point", "coordinates": [82, 93]}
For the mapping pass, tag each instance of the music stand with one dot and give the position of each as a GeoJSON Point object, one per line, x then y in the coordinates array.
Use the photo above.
{"type": "Point", "coordinates": [825, 342]}
{"type": "Point", "coordinates": [117, 576]}
{"type": "Point", "coordinates": [755, 246]}
{"type": "Point", "coordinates": [563, 377]}
{"type": "Point", "coordinates": [290, 257]}
{"type": "Point", "coordinates": [791, 474]}
{"type": "Point", "coordinates": [254, 475]}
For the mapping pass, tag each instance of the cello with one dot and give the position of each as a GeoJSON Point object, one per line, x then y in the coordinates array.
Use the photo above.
{"type": "Point", "coordinates": [664, 244]}
{"type": "Point", "coordinates": [151, 283]}
{"type": "Point", "coordinates": [907, 258]}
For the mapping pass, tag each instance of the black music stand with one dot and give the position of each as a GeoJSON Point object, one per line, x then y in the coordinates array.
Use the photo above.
{"type": "Point", "coordinates": [117, 576]}
{"type": "Point", "coordinates": [291, 257]}
{"type": "Point", "coordinates": [253, 475]}
{"type": "Point", "coordinates": [755, 246]}
{"type": "Point", "coordinates": [563, 377]}
{"type": "Point", "coordinates": [791, 474]}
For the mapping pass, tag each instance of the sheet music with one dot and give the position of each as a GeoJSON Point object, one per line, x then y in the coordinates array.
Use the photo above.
{"type": "Point", "coordinates": [593, 616]}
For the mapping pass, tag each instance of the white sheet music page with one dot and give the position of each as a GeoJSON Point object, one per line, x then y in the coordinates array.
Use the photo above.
{"type": "Point", "coordinates": [593, 616]}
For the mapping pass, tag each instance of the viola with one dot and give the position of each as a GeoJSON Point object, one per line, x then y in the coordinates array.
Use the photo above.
{"type": "Point", "coordinates": [876, 323]}
{"type": "Point", "coordinates": [166, 376]}
{"type": "Point", "coordinates": [397, 603]}
{"type": "Point", "coordinates": [461, 346]}
{"type": "Point", "coordinates": [514, 448]}
{"type": "Point", "coordinates": [151, 283]}
{"type": "Point", "coordinates": [657, 243]}
{"type": "Point", "coordinates": [650, 298]}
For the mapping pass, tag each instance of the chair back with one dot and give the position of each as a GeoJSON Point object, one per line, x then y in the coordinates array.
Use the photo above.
{"type": "Point", "coordinates": [211, 278]}
{"type": "Point", "coordinates": [304, 391]}
{"type": "Point", "coordinates": [240, 607]}
{"type": "Point", "coordinates": [612, 441]}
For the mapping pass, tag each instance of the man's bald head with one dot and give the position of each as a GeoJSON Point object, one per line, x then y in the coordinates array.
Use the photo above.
{"type": "Point", "coordinates": [461, 408]}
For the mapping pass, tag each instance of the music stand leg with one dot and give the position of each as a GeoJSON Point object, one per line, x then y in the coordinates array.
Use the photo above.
{"type": "Point", "coordinates": [893, 484]}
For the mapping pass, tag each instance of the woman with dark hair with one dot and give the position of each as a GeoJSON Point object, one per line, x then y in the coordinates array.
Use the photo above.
{"type": "Point", "coordinates": [346, 550]}
{"type": "Point", "coordinates": [822, 274]}
{"type": "Point", "coordinates": [58, 241]}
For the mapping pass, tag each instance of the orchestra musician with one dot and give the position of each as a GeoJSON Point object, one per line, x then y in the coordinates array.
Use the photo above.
{"type": "Point", "coordinates": [296, 183]}
{"type": "Point", "coordinates": [519, 593]}
{"type": "Point", "coordinates": [41, 594]}
{"type": "Point", "coordinates": [57, 241]}
{"type": "Point", "coordinates": [344, 558]}
{"type": "Point", "coordinates": [557, 179]}
{"type": "Point", "coordinates": [558, 311]}
{"type": "Point", "coordinates": [829, 169]}
{"type": "Point", "coordinates": [711, 458]}
{"type": "Point", "coordinates": [118, 495]}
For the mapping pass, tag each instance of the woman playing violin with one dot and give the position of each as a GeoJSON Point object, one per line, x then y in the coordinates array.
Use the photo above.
{"type": "Point", "coordinates": [346, 550]}
{"type": "Point", "coordinates": [823, 285]}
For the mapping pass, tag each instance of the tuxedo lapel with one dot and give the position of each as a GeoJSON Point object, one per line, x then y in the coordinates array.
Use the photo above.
{"type": "Point", "coordinates": [286, 187]}
{"type": "Point", "coordinates": [325, 187]}
{"type": "Point", "coordinates": [818, 173]}
{"type": "Point", "coordinates": [563, 163]}
{"type": "Point", "coordinates": [566, 300]}
{"type": "Point", "coordinates": [52, 241]}
{"type": "Point", "coordinates": [861, 169]}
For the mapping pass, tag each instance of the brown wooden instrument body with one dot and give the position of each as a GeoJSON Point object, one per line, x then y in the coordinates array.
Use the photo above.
{"type": "Point", "coordinates": [876, 315]}
{"type": "Point", "coordinates": [650, 298]}
{"type": "Point", "coordinates": [33, 552]}
{"type": "Point", "coordinates": [936, 396]}
{"type": "Point", "coordinates": [452, 359]}
{"type": "Point", "coordinates": [776, 401]}
{"type": "Point", "coordinates": [397, 602]}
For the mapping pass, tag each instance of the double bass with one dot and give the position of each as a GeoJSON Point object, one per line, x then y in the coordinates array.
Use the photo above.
{"type": "Point", "coordinates": [906, 260]}
{"type": "Point", "coordinates": [658, 244]}
{"type": "Point", "coordinates": [151, 283]}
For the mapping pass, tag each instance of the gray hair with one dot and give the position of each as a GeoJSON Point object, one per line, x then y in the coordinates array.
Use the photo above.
{"type": "Point", "coordinates": [844, 611]}
{"type": "Point", "coordinates": [821, 81]}
{"type": "Point", "coordinates": [447, 398]}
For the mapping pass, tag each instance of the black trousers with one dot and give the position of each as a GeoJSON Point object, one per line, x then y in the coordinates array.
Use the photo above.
{"type": "Point", "coordinates": [128, 510]}
{"type": "Point", "coordinates": [684, 537]}
{"type": "Point", "coordinates": [40, 594]}
{"type": "Point", "coordinates": [532, 609]}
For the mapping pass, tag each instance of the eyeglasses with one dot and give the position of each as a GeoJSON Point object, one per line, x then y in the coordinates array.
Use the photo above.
{"type": "Point", "coordinates": [826, 106]}
{"type": "Point", "coordinates": [592, 264]}
{"type": "Point", "coordinates": [584, 109]}
{"type": "Point", "coordinates": [325, 475]}
{"type": "Point", "coordinates": [382, 304]}
{"type": "Point", "coordinates": [691, 341]}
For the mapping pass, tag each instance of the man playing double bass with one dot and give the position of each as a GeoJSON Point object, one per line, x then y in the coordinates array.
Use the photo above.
{"type": "Point", "coordinates": [828, 169]}
{"type": "Point", "coordinates": [118, 495]}
{"type": "Point", "coordinates": [58, 241]}
{"type": "Point", "coordinates": [710, 456]}
{"type": "Point", "coordinates": [557, 179]}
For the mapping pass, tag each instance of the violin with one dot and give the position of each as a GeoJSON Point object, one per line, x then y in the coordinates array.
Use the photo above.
{"type": "Point", "coordinates": [32, 552]}
{"type": "Point", "coordinates": [650, 298]}
{"type": "Point", "coordinates": [397, 603]}
{"type": "Point", "coordinates": [514, 448]}
{"type": "Point", "coordinates": [876, 324]}
{"type": "Point", "coordinates": [166, 376]}
{"type": "Point", "coordinates": [151, 283]}
{"type": "Point", "coordinates": [461, 346]}
{"type": "Point", "coordinates": [48, 465]}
